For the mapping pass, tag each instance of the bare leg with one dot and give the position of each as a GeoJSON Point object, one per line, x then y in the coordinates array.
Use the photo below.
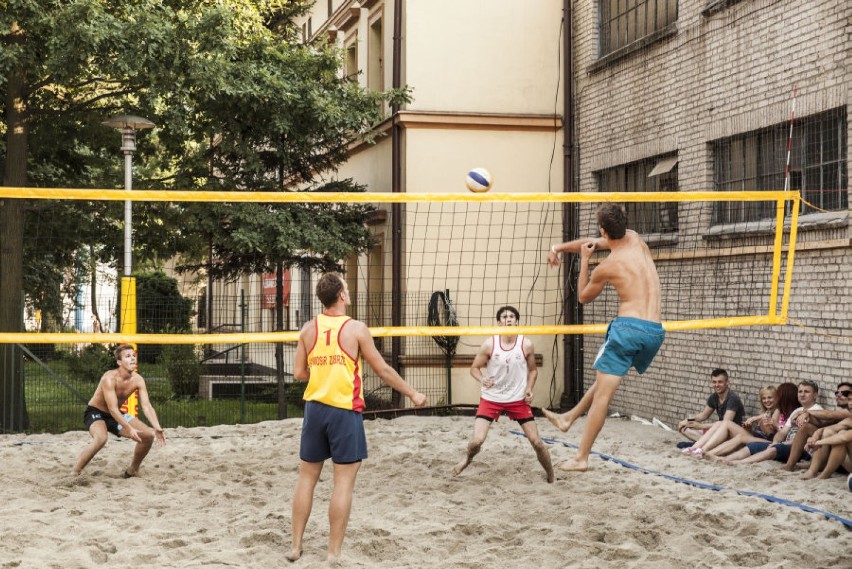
{"type": "Point", "coordinates": [564, 421]}
{"type": "Point", "coordinates": [818, 459]}
{"type": "Point", "coordinates": [712, 432]}
{"type": "Point", "coordinates": [797, 447]}
{"type": "Point", "coordinates": [726, 447]}
{"type": "Point", "coordinates": [605, 387]}
{"type": "Point", "coordinates": [733, 457]}
{"type": "Point", "coordinates": [836, 456]}
{"type": "Point", "coordinates": [541, 451]}
{"type": "Point", "coordinates": [768, 454]}
{"type": "Point", "coordinates": [142, 448]}
{"type": "Point", "coordinates": [303, 501]}
{"type": "Point", "coordinates": [98, 431]}
{"type": "Point", "coordinates": [692, 434]}
{"type": "Point", "coordinates": [480, 431]}
{"type": "Point", "coordinates": [340, 506]}
{"type": "Point", "coordinates": [728, 430]}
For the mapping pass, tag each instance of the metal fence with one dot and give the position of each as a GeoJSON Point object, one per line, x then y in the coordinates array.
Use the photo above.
{"type": "Point", "coordinates": [196, 386]}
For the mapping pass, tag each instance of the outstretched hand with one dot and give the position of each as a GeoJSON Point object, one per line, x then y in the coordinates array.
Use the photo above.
{"type": "Point", "coordinates": [553, 259]}
{"type": "Point", "coordinates": [160, 436]}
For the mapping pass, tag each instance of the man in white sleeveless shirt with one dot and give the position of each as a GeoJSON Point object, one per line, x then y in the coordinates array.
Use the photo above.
{"type": "Point", "coordinates": [505, 366]}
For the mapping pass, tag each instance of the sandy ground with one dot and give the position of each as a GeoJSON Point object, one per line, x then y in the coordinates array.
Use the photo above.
{"type": "Point", "coordinates": [220, 497]}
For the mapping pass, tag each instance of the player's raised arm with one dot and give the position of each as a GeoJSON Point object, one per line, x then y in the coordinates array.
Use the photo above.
{"type": "Point", "coordinates": [371, 355]}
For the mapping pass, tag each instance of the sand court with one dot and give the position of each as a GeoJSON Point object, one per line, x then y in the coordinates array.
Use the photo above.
{"type": "Point", "coordinates": [220, 497]}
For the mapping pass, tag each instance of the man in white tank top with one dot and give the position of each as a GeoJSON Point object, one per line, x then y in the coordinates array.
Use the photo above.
{"type": "Point", "coordinates": [505, 366]}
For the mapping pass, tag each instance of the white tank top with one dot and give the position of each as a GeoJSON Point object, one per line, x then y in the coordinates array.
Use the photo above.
{"type": "Point", "coordinates": [508, 367]}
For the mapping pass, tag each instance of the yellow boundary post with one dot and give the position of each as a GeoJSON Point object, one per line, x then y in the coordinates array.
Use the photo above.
{"type": "Point", "coordinates": [128, 330]}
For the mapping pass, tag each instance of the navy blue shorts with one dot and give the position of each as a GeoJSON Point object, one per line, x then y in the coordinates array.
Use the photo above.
{"type": "Point", "coordinates": [760, 446]}
{"type": "Point", "coordinates": [783, 453]}
{"type": "Point", "coordinates": [331, 432]}
{"type": "Point", "coordinates": [630, 342]}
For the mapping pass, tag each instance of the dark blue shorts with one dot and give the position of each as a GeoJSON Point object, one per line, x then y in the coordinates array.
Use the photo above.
{"type": "Point", "coordinates": [783, 453]}
{"type": "Point", "coordinates": [331, 432]}
{"type": "Point", "coordinates": [754, 448]}
{"type": "Point", "coordinates": [629, 342]}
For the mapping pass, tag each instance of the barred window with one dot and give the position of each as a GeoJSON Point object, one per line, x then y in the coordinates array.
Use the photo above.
{"type": "Point", "coordinates": [623, 22]}
{"type": "Point", "coordinates": [657, 174]}
{"type": "Point", "coordinates": [758, 161]}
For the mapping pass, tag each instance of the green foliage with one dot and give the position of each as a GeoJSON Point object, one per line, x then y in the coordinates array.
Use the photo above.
{"type": "Point", "coordinates": [160, 309]}
{"type": "Point", "coordinates": [183, 369]}
{"type": "Point", "coordinates": [90, 363]}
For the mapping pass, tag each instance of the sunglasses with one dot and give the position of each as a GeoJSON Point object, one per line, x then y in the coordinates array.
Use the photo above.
{"type": "Point", "coordinates": [844, 393]}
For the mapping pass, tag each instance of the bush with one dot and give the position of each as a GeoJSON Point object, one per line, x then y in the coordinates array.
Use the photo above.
{"type": "Point", "coordinates": [90, 363]}
{"type": "Point", "coordinates": [160, 309]}
{"type": "Point", "coordinates": [183, 369]}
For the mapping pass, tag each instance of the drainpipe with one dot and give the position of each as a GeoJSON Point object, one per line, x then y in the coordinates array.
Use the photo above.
{"type": "Point", "coordinates": [572, 345]}
{"type": "Point", "coordinates": [396, 208]}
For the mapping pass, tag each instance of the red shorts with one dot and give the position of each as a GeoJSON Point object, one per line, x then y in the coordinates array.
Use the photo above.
{"type": "Point", "coordinates": [516, 410]}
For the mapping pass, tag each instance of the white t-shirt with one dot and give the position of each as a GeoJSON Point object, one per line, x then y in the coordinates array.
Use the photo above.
{"type": "Point", "coordinates": [791, 421]}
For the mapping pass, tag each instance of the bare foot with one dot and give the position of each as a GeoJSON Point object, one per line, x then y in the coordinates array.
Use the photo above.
{"type": "Point", "coordinates": [789, 467]}
{"type": "Point", "coordinates": [294, 555]}
{"type": "Point", "coordinates": [559, 421]}
{"type": "Point", "coordinates": [574, 465]}
{"type": "Point", "coordinates": [806, 476]}
{"type": "Point", "coordinates": [130, 473]}
{"type": "Point", "coordinates": [457, 469]}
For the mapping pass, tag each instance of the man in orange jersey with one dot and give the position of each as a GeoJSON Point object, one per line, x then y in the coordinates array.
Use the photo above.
{"type": "Point", "coordinates": [328, 355]}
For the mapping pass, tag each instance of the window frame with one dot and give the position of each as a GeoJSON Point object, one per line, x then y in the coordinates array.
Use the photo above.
{"type": "Point", "coordinates": [757, 161]}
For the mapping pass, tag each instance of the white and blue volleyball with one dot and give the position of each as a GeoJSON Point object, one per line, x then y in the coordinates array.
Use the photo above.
{"type": "Point", "coordinates": [479, 180]}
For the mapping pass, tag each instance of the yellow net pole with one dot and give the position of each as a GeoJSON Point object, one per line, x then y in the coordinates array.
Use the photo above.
{"type": "Point", "coordinates": [791, 254]}
{"type": "Point", "coordinates": [128, 329]}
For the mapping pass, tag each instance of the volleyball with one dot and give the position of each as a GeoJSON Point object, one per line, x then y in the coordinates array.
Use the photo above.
{"type": "Point", "coordinates": [478, 180]}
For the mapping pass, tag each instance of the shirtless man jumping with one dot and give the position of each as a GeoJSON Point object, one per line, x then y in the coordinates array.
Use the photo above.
{"type": "Point", "coordinates": [632, 338]}
{"type": "Point", "coordinates": [103, 414]}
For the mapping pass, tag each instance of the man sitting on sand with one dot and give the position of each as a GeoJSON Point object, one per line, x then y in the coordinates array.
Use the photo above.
{"type": "Point", "coordinates": [810, 421]}
{"type": "Point", "coordinates": [633, 338]}
{"type": "Point", "coordinates": [103, 414]}
{"type": "Point", "coordinates": [724, 401]}
{"type": "Point", "coordinates": [831, 448]}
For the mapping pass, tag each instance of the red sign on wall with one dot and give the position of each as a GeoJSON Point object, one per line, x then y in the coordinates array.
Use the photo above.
{"type": "Point", "coordinates": [269, 290]}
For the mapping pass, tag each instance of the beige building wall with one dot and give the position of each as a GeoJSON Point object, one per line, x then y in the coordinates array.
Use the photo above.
{"type": "Point", "coordinates": [486, 87]}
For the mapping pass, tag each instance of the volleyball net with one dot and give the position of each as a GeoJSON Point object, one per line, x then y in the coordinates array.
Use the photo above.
{"type": "Point", "coordinates": [724, 258]}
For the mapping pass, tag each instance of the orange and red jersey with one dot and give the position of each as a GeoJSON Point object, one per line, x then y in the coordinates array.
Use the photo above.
{"type": "Point", "coordinates": [335, 375]}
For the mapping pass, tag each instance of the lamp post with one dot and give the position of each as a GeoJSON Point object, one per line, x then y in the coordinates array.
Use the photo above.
{"type": "Point", "coordinates": [128, 124]}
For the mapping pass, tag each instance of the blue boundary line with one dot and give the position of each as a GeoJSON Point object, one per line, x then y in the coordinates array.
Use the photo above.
{"type": "Point", "coordinates": [704, 485]}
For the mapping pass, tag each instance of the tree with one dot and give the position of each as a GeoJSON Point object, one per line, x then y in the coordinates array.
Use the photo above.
{"type": "Point", "coordinates": [239, 104]}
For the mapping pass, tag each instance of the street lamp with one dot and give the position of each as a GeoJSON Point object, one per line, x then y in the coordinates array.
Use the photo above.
{"type": "Point", "coordinates": [128, 124]}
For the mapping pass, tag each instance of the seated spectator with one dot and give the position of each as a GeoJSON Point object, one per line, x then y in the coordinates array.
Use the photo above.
{"type": "Point", "coordinates": [787, 397]}
{"type": "Point", "coordinates": [779, 449]}
{"type": "Point", "coordinates": [811, 421]}
{"type": "Point", "coordinates": [724, 401]}
{"type": "Point", "coordinates": [832, 448]}
{"type": "Point", "coordinates": [760, 427]}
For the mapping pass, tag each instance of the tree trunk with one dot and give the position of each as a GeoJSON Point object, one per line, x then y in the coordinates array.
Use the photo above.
{"type": "Point", "coordinates": [13, 411]}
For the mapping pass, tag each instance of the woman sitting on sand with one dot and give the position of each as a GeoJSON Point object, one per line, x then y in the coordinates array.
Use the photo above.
{"type": "Point", "coordinates": [725, 437]}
